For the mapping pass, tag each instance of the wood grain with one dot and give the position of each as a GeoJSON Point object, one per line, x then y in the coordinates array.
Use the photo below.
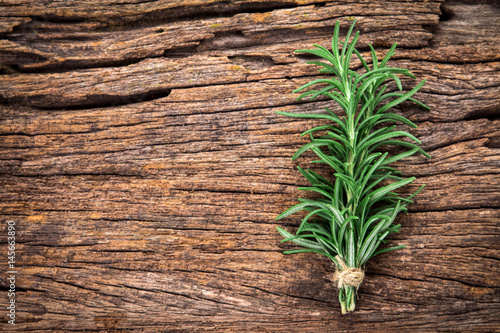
{"type": "Point", "coordinates": [144, 166]}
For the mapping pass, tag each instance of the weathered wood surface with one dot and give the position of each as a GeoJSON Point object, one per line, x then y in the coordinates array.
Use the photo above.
{"type": "Point", "coordinates": [144, 166]}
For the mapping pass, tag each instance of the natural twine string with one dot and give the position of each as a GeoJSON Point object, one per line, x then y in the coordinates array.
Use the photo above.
{"type": "Point", "coordinates": [347, 276]}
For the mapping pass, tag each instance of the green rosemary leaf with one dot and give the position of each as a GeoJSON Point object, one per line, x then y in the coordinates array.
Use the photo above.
{"type": "Point", "coordinates": [381, 238]}
{"type": "Point", "coordinates": [416, 192]}
{"type": "Point", "coordinates": [376, 134]}
{"type": "Point", "coordinates": [391, 117]}
{"type": "Point", "coordinates": [328, 246]}
{"type": "Point", "coordinates": [328, 68]}
{"type": "Point", "coordinates": [307, 93]}
{"type": "Point", "coordinates": [345, 47]}
{"type": "Point", "coordinates": [363, 62]}
{"type": "Point", "coordinates": [374, 57]}
{"type": "Point", "coordinates": [397, 80]}
{"type": "Point", "coordinates": [388, 56]}
{"type": "Point", "coordinates": [337, 99]}
{"type": "Point", "coordinates": [316, 202]}
{"type": "Point", "coordinates": [332, 144]}
{"type": "Point", "coordinates": [368, 247]}
{"type": "Point", "coordinates": [321, 179]}
{"type": "Point", "coordinates": [382, 138]}
{"type": "Point", "coordinates": [317, 228]}
{"type": "Point", "coordinates": [368, 122]}
{"type": "Point", "coordinates": [379, 97]}
{"type": "Point", "coordinates": [304, 223]}
{"type": "Point", "coordinates": [339, 121]}
{"type": "Point", "coordinates": [381, 192]}
{"type": "Point", "coordinates": [377, 181]}
{"type": "Point", "coordinates": [293, 209]}
{"type": "Point", "coordinates": [385, 71]}
{"type": "Point", "coordinates": [393, 215]}
{"type": "Point", "coordinates": [347, 180]}
{"type": "Point", "coordinates": [310, 250]}
{"type": "Point", "coordinates": [320, 52]}
{"type": "Point", "coordinates": [337, 214]}
{"type": "Point", "coordinates": [396, 94]}
{"type": "Point", "coordinates": [308, 146]}
{"type": "Point", "coordinates": [394, 228]}
{"type": "Point", "coordinates": [342, 234]}
{"type": "Point", "coordinates": [330, 160]}
{"type": "Point", "coordinates": [324, 214]}
{"type": "Point", "coordinates": [402, 98]}
{"type": "Point", "coordinates": [364, 166]}
{"type": "Point", "coordinates": [340, 138]}
{"type": "Point", "coordinates": [318, 128]}
{"type": "Point", "coordinates": [373, 219]}
{"type": "Point", "coordinates": [327, 55]}
{"type": "Point", "coordinates": [400, 143]}
{"type": "Point", "coordinates": [331, 82]}
{"type": "Point", "coordinates": [327, 91]}
{"type": "Point", "coordinates": [400, 156]}
{"type": "Point", "coordinates": [300, 241]}
{"type": "Point", "coordinates": [317, 190]}
{"type": "Point", "coordinates": [311, 116]}
{"type": "Point", "coordinates": [309, 177]}
{"type": "Point", "coordinates": [367, 176]}
{"type": "Point", "coordinates": [350, 50]}
{"type": "Point", "coordinates": [365, 252]}
{"type": "Point", "coordinates": [364, 86]}
{"type": "Point", "coordinates": [379, 195]}
{"type": "Point", "coordinates": [335, 42]}
{"type": "Point", "coordinates": [351, 249]}
{"type": "Point", "coordinates": [388, 249]}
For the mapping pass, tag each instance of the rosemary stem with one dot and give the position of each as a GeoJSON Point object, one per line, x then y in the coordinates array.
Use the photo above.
{"type": "Point", "coordinates": [347, 299]}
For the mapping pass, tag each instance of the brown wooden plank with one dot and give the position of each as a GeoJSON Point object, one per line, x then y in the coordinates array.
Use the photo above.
{"type": "Point", "coordinates": [144, 165]}
{"type": "Point", "coordinates": [43, 44]}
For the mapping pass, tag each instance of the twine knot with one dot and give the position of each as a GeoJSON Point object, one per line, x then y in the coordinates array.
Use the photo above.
{"type": "Point", "coordinates": [346, 276]}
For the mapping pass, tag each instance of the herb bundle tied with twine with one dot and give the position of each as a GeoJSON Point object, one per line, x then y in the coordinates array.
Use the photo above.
{"type": "Point", "coordinates": [357, 208]}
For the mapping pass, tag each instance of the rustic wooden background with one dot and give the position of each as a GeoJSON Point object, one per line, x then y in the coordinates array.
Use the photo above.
{"type": "Point", "coordinates": [144, 166]}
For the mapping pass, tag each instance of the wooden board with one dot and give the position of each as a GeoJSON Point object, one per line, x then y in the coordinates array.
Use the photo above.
{"type": "Point", "coordinates": [144, 166]}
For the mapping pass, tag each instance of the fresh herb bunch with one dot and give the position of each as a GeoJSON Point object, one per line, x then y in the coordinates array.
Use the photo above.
{"type": "Point", "coordinates": [355, 213]}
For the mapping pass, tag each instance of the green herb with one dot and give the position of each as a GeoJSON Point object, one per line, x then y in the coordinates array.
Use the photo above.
{"type": "Point", "coordinates": [355, 214]}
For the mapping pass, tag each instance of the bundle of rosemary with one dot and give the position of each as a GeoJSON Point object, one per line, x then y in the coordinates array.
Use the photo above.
{"type": "Point", "coordinates": [355, 213]}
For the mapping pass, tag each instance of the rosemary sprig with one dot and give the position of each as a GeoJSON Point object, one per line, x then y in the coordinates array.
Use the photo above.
{"type": "Point", "coordinates": [354, 214]}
